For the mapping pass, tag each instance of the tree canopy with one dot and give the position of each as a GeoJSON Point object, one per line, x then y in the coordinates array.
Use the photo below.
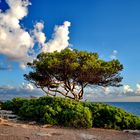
{"type": "Point", "coordinates": [68, 72]}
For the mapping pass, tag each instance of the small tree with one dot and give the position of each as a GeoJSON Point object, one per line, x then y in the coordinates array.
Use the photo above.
{"type": "Point", "coordinates": [68, 72]}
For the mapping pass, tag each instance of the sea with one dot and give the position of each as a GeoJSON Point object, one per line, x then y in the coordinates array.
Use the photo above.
{"type": "Point", "coordinates": [133, 107]}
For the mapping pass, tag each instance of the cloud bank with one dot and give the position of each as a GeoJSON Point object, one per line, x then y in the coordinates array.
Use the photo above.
{"type": "Point", "coordinates": [103, 94]}
{"type": "Point", "coordinates": [127, 89]}
{"type": "Point", "coordinates": [60, 38]}
{"type": "Point", "coordinates": [124, 93]}
{"type": "Point", "coordinates": [17, 44]}
{"type": "Point", "coordinates": [26, 90]}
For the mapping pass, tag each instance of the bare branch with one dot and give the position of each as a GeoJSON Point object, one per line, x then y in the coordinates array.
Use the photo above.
{"type": "Point", "coordinates": [46, 91]}
{"type": "Point", "coordinates": [64, 94]}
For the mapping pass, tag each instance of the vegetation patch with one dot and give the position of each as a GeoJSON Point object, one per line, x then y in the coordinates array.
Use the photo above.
{"type": "Point", "coordinates": [70, 113]}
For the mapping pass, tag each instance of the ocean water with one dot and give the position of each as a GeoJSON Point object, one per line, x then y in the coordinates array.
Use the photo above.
{"type": "Point", "coordinates": [133, 107]}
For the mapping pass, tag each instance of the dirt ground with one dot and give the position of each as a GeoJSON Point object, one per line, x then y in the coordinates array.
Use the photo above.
{"type": "Point", "coordinates": [24, 131]}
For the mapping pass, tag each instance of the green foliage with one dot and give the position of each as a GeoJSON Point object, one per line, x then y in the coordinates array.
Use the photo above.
{"type": "Point", "coordinates": [50, 117]}
{"type": "Point", "coordinates": [8, 105]}
{"type": "Point", "coordinates": [14, 105]}
{"type": "Point", "coordinates": [107, 116]}
{"type": "Point", "coordinates": [78, 117]}
{"type": "Point", "coordinates": [18, 103]}
{"type": "Point", "coordinates": [72, 68]}
{"type": "Point", "coordinates": [32, 112]}
{"type": "Point", "coordinates": [70, 113]}
{"type": "Point", "coordinates": [65, 112]}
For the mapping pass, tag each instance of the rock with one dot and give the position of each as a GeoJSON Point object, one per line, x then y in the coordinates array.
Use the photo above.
{"type": "Point", "coordinates": [8, 115]}
{"type": "Point", "coordinates": [88, 136]}
{"type": "Point", "coordinates": [137, 132]}
{"type": "Point", "coordinates": [5, 112]}
{"type": "Point", "coordinates": [11, 116]}
{"type": "Point", "coordinates": [32, 123]}
{"type": "Point", "coordinates": [43, 134]}
{"type": "Point", "coordinates": [47, 126]}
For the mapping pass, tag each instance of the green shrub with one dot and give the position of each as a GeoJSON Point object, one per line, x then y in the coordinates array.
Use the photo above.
{"type": "Point", "coordinates": [14, 105]}
{"type": "Point", "coordinates": [50, 116]}
{"type": "Point", "coordinates": [18, 103]}
{"type": "Point", "coordinates": [64, 103]}
{"type": "Point", "coordinates": [107, 116]}
{"type": "Point", "coordinates": [70, 113]}
{"type": "Point", "coordinates": [76, 117]}
{"type": "Point", "coordinates": [8, 105]}
{"type": "Point", "coordinates": [31, 112]}
{"type": "Point", "coordinates": [64, 112]}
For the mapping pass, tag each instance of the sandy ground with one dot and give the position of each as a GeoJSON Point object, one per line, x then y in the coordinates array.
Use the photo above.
{"type": "Point", "coordinates": [24, 131]}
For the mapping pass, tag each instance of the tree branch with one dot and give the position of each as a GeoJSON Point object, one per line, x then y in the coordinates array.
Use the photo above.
{"type": "Point", "coordinates": [46, 91]}
{"type": "Point", "coordinates": [80, 94]}
{"type": "Point", "coordinates": [61, 93]}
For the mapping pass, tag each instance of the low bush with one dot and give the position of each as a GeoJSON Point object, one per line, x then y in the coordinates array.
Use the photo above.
{"type": "Point", "coordinates": [50, 110]}
{"type": "Point", "coordinates": [14, 105]}
{"type": "Point", "coordinates": [31, 112]}
{"type": "Point", "coordinates": [107, 116]}
{"type": "Point", "coordinates": [8, 105]}
{"type": "Point", "coordinates": [79, 116]}
{"type": "Point", "coordinates": [70, 113]}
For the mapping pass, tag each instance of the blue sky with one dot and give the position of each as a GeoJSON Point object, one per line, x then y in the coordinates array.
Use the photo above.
{"type": "Point", "coordinates": [108, 27]}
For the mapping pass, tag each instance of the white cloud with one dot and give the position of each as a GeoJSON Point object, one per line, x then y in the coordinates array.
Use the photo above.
{"type": "Point", "coordinates": [91, 93]}
{"type": "Point", "coordinates": [106, 90]}
{"type": "Point", "coordinates": [23, 86]}
{"type": "Point", "coordinates": [18, 10]}
{"type": "Point", "coordinates": [137, 88]}
{"type": "Point", "coordinates": [60, 38]}
{"type": "Point", "coordinates": [8, 92]}
{"type": "Point", "coordinates": [15, 42]}
{"type": "Point", "coordinates": [127, 89]}
{"type": "Point", "coordinates": [27, 86]}
{"type": "Point", "coordinates": [7, 87]}
{"type": "Point", "coordinates": [111, 93]}
{"type": "Point", "coordinates": [22, 66]}
{"type": "Point", "coordinates": [114, 54]}
{"type": "Point", "coordinates": [38, 34]}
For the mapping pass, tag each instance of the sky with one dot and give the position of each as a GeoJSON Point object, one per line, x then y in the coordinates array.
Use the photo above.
{"type": "Point", "coordinates": [109, 27]}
